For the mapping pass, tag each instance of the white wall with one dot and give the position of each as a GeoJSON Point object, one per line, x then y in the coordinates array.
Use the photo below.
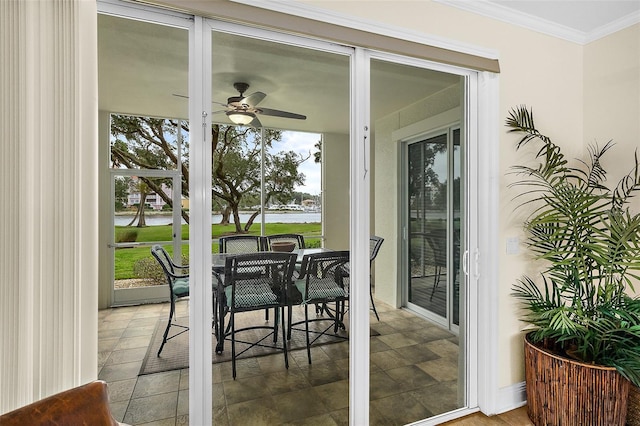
{"type": "Point", "coordinates": [612, 101]}
{"type": "Point", "coordinates": [335, 190]}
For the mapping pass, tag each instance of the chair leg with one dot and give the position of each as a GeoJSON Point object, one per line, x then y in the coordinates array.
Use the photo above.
{"type": "Point", "coordinates": [436, 281]}
{"type": "Point", "coordinates": [306, 328]}
{"type": "Point", "coordinates": [284, 341]}
{"type": "Point", "coordinates": [166, 331]}
{"type": "Point", "coordinates": [373, 305]}
{"type": "Point", "coordinates": [233, 343]}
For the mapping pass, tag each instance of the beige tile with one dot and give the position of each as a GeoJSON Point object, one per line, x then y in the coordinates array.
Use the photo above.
{"type": "Point", "coordinates": [335, 396]}
{"type": "Point", "coordinates": [441, 369]}
{"type": "Point", "coordinates": [152, 408]}
{"type": "Point", "coordinates": [115, 372]}
{"type": "Point", "coordinates": [247, 389]}
{"type": "Point", "coordinates": [410, 377]}
{"type": "Point", "coordinates": [159, 383]}
{"type": "Point", "coordinates": [121, 390]}
{"type": "Point", "coordinates": [126, 355]}
{"type": "Point", "coordinates": [401, 409]}
{"type": "Point", "coordinates": [397, 340]}
{"type": "Point", "coordinates": [300, 404]}
{"type": "Point", "coordinates": [264, 411]}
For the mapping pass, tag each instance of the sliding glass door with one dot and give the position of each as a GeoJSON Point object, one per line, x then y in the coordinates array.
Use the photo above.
{"type": "Point", "coordinates": [433, 208]}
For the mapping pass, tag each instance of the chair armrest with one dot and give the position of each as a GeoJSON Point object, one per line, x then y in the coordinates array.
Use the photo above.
{"type": "Point", "coordinates": [83, 405]}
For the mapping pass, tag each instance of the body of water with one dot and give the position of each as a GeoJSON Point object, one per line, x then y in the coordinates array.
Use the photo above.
{"type": "Point", "coordinates": [156, 220]}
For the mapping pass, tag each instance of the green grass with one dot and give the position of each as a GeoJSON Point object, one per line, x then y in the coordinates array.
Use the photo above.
{"type": "Point", "coordinates": [125, 258]}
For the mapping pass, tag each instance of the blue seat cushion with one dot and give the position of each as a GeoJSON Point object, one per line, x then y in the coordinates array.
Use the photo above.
{"type": "Point", "coordinates": [320, 290]}
{"type": "Point", "coordinates": [251, 294]}
{"type": "Point", "coordinates": [181, 287]}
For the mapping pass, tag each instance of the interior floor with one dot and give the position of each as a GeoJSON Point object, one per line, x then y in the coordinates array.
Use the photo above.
{"type": "Point", "coordinates": [413, 376]}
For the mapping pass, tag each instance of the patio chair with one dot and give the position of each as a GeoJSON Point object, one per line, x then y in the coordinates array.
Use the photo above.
{"type": "Point", "coordinates": [324, 279]}
{"type": "Point", "coordinates": [297, 239]}
{"type": "Point", "coordinates": [374, 246]}
{"type": "Point", "coordinates": [253, 282]}
{"type": "Point", "coordinates": [238, 244]}
{"type": "Point", "coordinates": [437, 241]}
{"type": "Point", "coordinates": [178, 289]}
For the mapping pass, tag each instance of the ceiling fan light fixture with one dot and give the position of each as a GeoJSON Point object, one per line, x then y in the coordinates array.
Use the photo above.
{"type": "Point", "coordinates": [241, 117]}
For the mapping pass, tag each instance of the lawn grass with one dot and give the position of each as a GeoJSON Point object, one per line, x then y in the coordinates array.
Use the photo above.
{"type": "Point", "coordinates": [125, 258]}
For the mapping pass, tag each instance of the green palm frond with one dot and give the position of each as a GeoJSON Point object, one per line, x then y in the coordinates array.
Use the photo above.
{"type": "Point", "coordinates": [588, 242]}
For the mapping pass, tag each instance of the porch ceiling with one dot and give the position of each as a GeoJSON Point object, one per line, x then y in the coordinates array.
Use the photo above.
{"type": "Point", "coordinates": [142, 65]}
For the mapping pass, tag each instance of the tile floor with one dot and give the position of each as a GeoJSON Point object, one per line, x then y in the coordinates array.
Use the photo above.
{"type": "Point", "coordinates": [413, 376]}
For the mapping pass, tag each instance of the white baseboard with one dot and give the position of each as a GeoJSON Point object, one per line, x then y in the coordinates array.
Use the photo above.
{"type": "Point", "coordinates": [511, 397]}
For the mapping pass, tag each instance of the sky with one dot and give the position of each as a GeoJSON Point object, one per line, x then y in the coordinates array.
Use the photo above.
{"type": "Point", "coordinates": [303, 144]}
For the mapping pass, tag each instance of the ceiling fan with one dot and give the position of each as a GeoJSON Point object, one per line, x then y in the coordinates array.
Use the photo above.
{"type": "Point", "coordinates": [243, 110]}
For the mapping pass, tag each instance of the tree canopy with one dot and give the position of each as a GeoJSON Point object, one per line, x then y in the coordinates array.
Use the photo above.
{"type": "Point", "coordinates": [151, 143]}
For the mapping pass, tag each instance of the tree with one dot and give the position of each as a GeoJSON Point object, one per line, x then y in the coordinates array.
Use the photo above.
{"type": "Point", "coordinates": [121, 192]}
{"type": "Point", "coordinates": [150, 143]}
{"type": "Point", "coordinates": [236, 169]}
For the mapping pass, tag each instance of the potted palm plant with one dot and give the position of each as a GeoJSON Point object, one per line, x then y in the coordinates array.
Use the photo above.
{"type": "Point", "coordinates": [583, 347]}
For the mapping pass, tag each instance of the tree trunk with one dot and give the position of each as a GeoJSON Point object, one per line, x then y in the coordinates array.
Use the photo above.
{"type": "Point", "coordinates": [236, 219]}
{"type": "Point", "coordinates": [141, 219]}
{"type": "Point", "coordinates": [226, 213]}
{"type": "Point", "coordinates": [247, 226]}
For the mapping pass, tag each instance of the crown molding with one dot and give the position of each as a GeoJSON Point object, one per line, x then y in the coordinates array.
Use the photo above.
{"type": "Point", "coordinates": [613, 27]}
{"type": "Point", "coordinates": [505, 14]}
{"type": "Point", "coordinates": [319, 14]}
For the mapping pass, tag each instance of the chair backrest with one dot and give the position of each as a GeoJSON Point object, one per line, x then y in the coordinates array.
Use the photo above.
{"type": "Point", "coordinates": [297, 239]}
{"type": "Point", "coordinates": [374, 246]}
{"type": "Point", "coordinates": [165, 262]}
{"type": "Point", "coordinates": [258, 279]}
{"type": "Point", "coordinates": [238, 244]}
{"type": "Point", "coordinates": [83, 405]}
{"type": "Point", "coordinates": [437, 241]}
{"type": "Point", "coordinates": [326, 275]}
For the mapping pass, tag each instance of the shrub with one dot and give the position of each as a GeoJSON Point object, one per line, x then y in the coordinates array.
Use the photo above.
{"type": "Point", "coordinates": [127, 236]}
{"type": "Point", "coordinates": [149, 268]}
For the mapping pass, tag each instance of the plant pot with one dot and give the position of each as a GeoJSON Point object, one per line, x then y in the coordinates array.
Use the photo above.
{"type": "Point", "coordinates": [561, 391]}
{"type": "Point", "coordinates": [283, 246]}
{"type": "Point", "coordinates": [633, 409]}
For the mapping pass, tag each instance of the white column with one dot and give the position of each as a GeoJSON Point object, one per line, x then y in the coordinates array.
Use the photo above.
{"type": "Point", "coordinates": [48, 169]}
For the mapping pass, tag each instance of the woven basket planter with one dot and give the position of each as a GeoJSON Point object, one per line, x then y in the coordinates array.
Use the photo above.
{"type": "Point", "coordinates": [565, 392]}
{"type": "Point", "coordinates": [633, 410]}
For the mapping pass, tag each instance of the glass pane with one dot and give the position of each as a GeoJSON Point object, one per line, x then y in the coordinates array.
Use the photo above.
{"type": "Point", "coordinates": [416, 351]}
{"type": "Point", "coordinates": [272, 83]}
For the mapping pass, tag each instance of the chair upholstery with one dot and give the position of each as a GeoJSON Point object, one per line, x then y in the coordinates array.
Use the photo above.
{"type": "Point", "coordinates": [178, 289]}
{"type": "Point", "coordinates": [374, 246]}
{"type": "Point", "coordinates": [237, 244]}
{"type": "Point", "coordinates": [257, 281]}
{"type": "Point", "coordinates": [324, 279]}
{"type": "Point", "coordinates": [297, 239]}
{"type": "Point", "coordinates": [83, 405]}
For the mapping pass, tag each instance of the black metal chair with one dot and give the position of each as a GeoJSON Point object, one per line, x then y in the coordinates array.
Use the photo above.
{"type": "Point", "coordinates": [253, 282]}
{"type": "Point", "coordinates": [437, 241]}
{"type": "Point", "coordinates": [324, 279]}
{"type": "Point", "coordinates": [374, 246]}
{"type": "Point", "coordinates": [297, 239]}
{"type": "Point", "coordinates": [178, 289]}
{"type": "Point", "coordinates": [239, 244]}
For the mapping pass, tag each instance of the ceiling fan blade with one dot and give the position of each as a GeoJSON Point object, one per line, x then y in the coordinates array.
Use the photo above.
{"type": "Point", "coordinates": [278, 113]}
{"type": "Point", "coordinates": [253, 99]}
{"type": "Point", "coordinates": [256, 123]}
{"type": "Point", "coordinates": [213, 102]}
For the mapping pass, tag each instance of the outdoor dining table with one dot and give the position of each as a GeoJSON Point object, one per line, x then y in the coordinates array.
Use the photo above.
{"type": "Point", "coordinates": [218, 264]}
